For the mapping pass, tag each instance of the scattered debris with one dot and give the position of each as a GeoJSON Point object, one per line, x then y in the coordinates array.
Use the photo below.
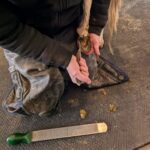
{"type": "Point", "coordinates": [83, 142]}
{"type": "Point", "coordinates": [102, 91]}
{"type": "Point", "coordinates": [83, 113]}
{"type": "Point", "coordinates": [112, 108]}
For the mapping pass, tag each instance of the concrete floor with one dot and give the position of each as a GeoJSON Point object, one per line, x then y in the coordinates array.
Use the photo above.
{"type": "Point", "coordinates": [129, 126]}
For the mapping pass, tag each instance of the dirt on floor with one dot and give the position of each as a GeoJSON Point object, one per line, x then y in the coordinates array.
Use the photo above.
{"type": "Point", "coordinates": [128, 125]}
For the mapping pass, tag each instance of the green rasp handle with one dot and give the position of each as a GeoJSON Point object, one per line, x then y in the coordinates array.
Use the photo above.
{"type": "Point", "coordinates": [18, 138]}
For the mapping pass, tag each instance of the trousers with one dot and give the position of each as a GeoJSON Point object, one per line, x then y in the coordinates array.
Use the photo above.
{"type": "Point", "coordinates": [37, 88]}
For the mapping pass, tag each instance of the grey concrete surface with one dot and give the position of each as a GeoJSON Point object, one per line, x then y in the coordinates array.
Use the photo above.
{"type": "Point", "coordinates": [129, 126]}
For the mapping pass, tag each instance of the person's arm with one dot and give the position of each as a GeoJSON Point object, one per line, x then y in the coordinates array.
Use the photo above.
{"type": "Point", "coordinates": [28, 42]}
{"type": "Point", "coordinates": [98, 19]}
{"type": "Point", "coordinates": [99, 15]}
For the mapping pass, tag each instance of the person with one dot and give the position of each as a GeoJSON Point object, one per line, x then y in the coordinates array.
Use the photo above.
{"type": "Point", "coordinates": [39, 39]}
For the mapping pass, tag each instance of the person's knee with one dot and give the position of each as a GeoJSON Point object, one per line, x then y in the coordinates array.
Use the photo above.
{"type": "Point", "coordinates": [47, 101]}
{"type": "Point", "coordinates": [43, 103]}
{"type": "Point", "coordinates": [29, 66]}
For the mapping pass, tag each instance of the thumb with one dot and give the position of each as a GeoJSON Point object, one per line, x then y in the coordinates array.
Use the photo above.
{"type": "Point", "coordinates": [96, 49]}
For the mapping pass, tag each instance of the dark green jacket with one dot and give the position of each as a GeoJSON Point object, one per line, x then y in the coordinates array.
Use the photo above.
{"type": "Point", "coordinates": [46, 29]}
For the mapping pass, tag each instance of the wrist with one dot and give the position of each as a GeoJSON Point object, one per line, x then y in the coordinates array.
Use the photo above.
{"type": "Point", "coordinates": [94, 29]}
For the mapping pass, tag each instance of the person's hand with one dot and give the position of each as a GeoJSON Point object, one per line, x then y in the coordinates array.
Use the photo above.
{"type": "Point", "coordinates": [78, 72]}
{"type": "Point", "coordinates": [95, 44]}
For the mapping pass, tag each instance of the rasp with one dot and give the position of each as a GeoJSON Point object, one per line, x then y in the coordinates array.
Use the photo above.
{"type": "Point", "coordinates": [57, 133]}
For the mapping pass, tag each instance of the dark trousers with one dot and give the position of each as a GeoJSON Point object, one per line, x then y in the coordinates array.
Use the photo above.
{"type": "Point", "coordinates": [36, 88]}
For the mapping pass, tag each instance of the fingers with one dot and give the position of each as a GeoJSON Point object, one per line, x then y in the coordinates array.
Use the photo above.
{"type": "Point", "coordinates": [82, 62]}
{"type": "Point", "coordinates": [96, 49]}
{"type": "Point", "coordinates": [80, 76]}
{"type": "Point", "coordinates": [83, 78]}
{"type": "Point", "coordinates": [83, 67]}
{"type": "Point", "coordinates": [95, 41]}
{"type": "Point", "coordinates": [85, 73]}
{"type": "Point", "coordinates": [78, 72]}
{"type": "Point", "coordinates": [96, 46]}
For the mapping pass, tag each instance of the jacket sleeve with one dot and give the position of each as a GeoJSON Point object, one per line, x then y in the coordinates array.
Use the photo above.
{"type": "Point", "coordinates": [99, 15]}
{"type": "Point", "coordinates": [28, 42]}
